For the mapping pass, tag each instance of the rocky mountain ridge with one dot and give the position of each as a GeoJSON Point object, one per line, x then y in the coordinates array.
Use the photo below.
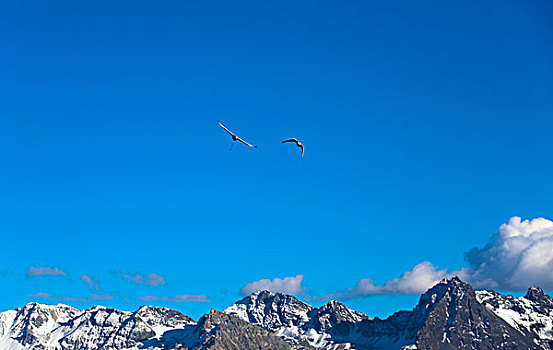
{"type": "Point", "coordinates": [450, 315]}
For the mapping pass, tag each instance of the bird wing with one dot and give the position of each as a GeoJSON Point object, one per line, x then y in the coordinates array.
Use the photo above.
{"type": "Point", "coordinates": [290, 140]}
{"type": "Point", "coordinates": [247, 144]}
{"type": "Point", "coordinates": [302, 149]}
{"type": "Point", "coordinates": [227, 130]}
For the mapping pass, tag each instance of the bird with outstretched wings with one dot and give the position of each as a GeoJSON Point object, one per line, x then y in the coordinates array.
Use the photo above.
{"type": "Point", "coordinates": [234, 137]}
{"type": "Point", "coordinates": [297, 144]}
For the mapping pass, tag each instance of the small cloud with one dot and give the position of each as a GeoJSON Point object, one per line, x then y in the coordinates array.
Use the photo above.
{"type": "Point", "coordinates": [149, 298]}
{"type": "Point", "coordinates": [289, 285]}
{"type": "Point", "coordinates": [64, 298]}
{"type": "Point", "coordinates": [152, 279]}
{"type": "Point", "coordinates": [176, 298]}
{"type": "Point", "coordinates": [44, 271]}
{"type": "Point", "coordinates": [40, 295]}
{"type": "Point", "coordinates": [52, 297]}
{"type": "Point", "coordinates": [91, 281]}
{"type": "Point", "coordinates": [416, 281]}
{"type": "Point", "coordinates": [105, 296]}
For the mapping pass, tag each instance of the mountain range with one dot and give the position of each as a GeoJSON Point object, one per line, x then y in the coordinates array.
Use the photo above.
{"type": "Point", "coordinates": [450, 315]}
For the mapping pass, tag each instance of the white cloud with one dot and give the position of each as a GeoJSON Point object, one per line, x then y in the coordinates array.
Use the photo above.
{"type": "Point", "coordinates": [519, 256]}
{"type": "Point", "coordinates": [40, 295]}
{"type": "Point", "coordinates": [289, 285]}
{"type": "Point", "coordinates": [52, 297]}
{"type": "Point", "coordinates": [105, 296]}
{"type": "Point", "coordinates": [152, 279]}
{"type": "Point", "coordinates": [44, 271]}
{"type": "Point", "coordinates": [48, 296]}
{"type": "Point", "coordinates": [416, 281]}
{"type": "Point", "coordinates": [176, 298]}
{"type": "Point", "coordinates": [91, 281]}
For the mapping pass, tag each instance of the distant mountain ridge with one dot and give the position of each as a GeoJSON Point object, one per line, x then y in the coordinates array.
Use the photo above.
{"type": "Point", "coordinates": [450, 315]}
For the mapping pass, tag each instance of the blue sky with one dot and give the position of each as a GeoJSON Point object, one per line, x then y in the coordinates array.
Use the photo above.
{"type": "Point", "coordinates": [426, 127]}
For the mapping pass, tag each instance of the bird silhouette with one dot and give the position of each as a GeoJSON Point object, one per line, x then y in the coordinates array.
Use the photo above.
{"type": "Point", "coordinates": [234, 137]}
{"type": "Point", "coordinates": [297, 144]}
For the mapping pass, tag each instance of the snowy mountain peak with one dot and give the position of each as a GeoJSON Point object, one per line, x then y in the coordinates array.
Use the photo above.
{"type": "Point", "coordinates": [450, 281]}
{"type": "Point", "coordinates": [265, 296]}
{"type": "Point", "coordinates": [38, 326]}
{"type": "Point", "coordinates": [295, 321]}
{"type": "Point", "coordinates": [263, 292]}
{"type": "Point", "coordinates": [456, 282]}
{"type": "Point", "coordinates": [272, 310]}
{"type": "Point", "coordinates": [159, 317]}
{"type": "Point", "coordinates": [33, 322]}
{"type": "Point", "coordinates": [449, 288]}
{"type": "Point", "coordinates": [339, 312]}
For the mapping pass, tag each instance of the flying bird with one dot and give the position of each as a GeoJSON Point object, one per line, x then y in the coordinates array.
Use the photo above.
{"type": "Point", "coordinates": [297, 144]}
{"type": "Point", "coordinates": [234, 137]}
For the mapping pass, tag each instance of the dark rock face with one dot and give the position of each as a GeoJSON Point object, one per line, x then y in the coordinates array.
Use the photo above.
{"type": "Point", "coordinates": [219, 331]}
{"type": "Point", "coordinates": [456, 318]}
{"type": "Point", "coordinates": [226, 332]}
{"type": "Point", "coordinates": [537, 295]}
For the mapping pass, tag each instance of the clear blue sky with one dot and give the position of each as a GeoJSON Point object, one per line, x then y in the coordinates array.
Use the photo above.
{"type": "Point", "coordinates": [426, 126]}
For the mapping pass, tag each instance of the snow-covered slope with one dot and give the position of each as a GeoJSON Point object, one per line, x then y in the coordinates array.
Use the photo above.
{"type": "Point", "coordinates": [295, 321]}
{"type": "Point", "coordinates": [530, 313]}
{"type": "Point", "coordinates": [38, 326]}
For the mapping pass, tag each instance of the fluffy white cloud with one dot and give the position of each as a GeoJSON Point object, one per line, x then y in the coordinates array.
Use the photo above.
{"type": "Point", "coordinates": [416, 281]}
{"type": "Point", "coordinates": [289, 285]}
{"type": "Point", "coordinates": [176, 298]}
{"type": "Point", "coordinates": [44, 271]}
{"type": "Point", "coordinates": [520, 255]}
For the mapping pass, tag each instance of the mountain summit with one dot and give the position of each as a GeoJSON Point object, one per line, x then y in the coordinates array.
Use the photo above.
{"type": "Point", "coordinates": [450, 315]}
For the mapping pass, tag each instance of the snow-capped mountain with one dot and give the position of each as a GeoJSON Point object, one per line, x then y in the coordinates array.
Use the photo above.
{"type": "Point", "coordinates": [532, 313]}
{"type": "Point", "coordinates": [295, 321]}
{"type": "Point", "coordinates": [217, 330]}
{"type": "Point", "coordinates": [450, 315]}
{"type": "Point", "coordinates": [38, 326]}
{"type": "Point", "coordinates": [333, 326]}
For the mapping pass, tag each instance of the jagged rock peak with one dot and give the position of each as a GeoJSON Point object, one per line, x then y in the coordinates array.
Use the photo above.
{"type": "Point", "coordinates": [342, 312]}
{"type": "Point", "coordinates": [452, 287]}
{"type": "Point", "coordinates": [538, 296]}
{"type": "Point", "coordinates": [267, 295]}
{"type": "Point", "coordinates": [453, 281]}
{"type": "Point", "coordinates": [535, 293]}
{"type": "Point", "coordinates": [266, 308]}
{"type": "Point", "coordinates": [36, 306]}
{"type": "Point", "coordinates": [154, 316]}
